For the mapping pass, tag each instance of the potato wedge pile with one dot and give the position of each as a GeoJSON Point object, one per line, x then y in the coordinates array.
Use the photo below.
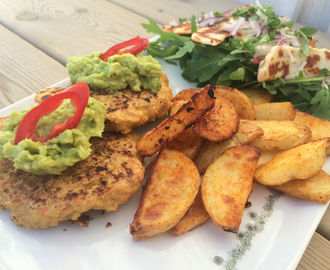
{"type": "Point", "coordinates": [232, 138]}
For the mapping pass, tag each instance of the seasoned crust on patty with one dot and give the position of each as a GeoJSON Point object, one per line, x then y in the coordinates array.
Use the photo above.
{"type": "Point", "coordinates": [105, 180]}
{"type": "Point", "coordinates": [127, 109]}
{"type": "Point", "coordinates": [3, 120]}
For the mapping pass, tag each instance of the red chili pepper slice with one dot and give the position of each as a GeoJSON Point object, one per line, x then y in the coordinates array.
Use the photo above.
{"type": "Point", "coordinates": [139, 44]}
{"type": "Point", "coordinates": [77, 93]}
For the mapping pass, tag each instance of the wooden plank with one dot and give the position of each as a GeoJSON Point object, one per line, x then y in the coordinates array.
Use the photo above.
{"type": "Point", "coordinates": [165, 11]}
{"type": "Point", "coordinates": [324, 226]}
{"type": "Point", "coordinates": [316, 255]}
{"type": "Point", "coordinates": [24, 69]}
{"type": "Point", "coordinates": [70, 28]}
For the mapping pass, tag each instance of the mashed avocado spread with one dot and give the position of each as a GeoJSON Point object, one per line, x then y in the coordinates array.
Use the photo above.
{"type": "Point", "coordinates": [118, 73]}
{"type": "Point", "coordinates": [57, 154]}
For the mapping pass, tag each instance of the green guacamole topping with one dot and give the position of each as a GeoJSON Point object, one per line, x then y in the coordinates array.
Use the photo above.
{"type": "Point", "coordinates": [118, 73]}
{"type": "Point", "coordinates": [57, 154]}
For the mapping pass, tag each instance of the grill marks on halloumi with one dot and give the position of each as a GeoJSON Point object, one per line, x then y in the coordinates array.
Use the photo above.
{"type": "Point", "coordinates": [282, 61]}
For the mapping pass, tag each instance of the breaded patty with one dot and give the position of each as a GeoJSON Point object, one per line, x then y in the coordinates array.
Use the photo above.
{"type": "Point", "coordinates": [105, 180]}
{"type": "Point", "coordinates": [127, 109]}
{"type": "Point", "coordinates": [3, 119]}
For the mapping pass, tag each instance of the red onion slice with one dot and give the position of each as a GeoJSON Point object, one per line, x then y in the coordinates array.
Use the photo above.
{"type": "Point", "coordinates": [261, 15]}
{"type": "Point", "coordinates": [264, 30]}
{"type": "Point", "coordinates": [262, 49]}
{"type": "Point", "coordinates": [302, 66]}
{"type": "Point", "coordinates": [255, 60]}
{"type": "Point", "coordinates": [228, 13]}
{"type": "Point", "coordinates": [210, 21]}
{"type": "Point", "coordinates": [238, 24]}
{"type": "Point", "coordinates": [258, 4]}
{"type": "Point", "coordinates": [250, 32]}
{"type": "Point", "coordinates": [325, 85]}
{"type": "Point", "coordinates": [281, 42]}
{"type": "Point", "coordinates": [327, 79]}
{"type": "Point", "coordinates": [289, 77]}
{"type": "Point", "coordinates": [174, 23]}
{"type": "Point", "coordinates": [255, 24]}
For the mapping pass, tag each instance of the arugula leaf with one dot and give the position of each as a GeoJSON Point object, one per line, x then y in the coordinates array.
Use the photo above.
{"type": "Point", "coordinates": [238, 75]}
{"type": "Point", "coordinates": [304, 47]}
{"type": "Point", "coordinates": [322, 100]}
{"type": "Point", "coordinates": [306, 94]}
{"type": "Point", "coordinates": [308, 31]}
{"type": "Point", "coordinates": [164, 36]}
{"type": "Point", "coordinates": [218, 14]}
{"type": "Point", "coordinates": [187, 48]}
{"type": "Point", "coordinates": [202, 70]}
{"type": "Point", "coordinates": [192, 19]}
{"type": "Point", "coordinates": [182, 20]}
{"type": "Point", "coordinates": [290, 24]}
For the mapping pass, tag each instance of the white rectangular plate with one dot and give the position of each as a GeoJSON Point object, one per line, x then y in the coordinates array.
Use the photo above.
{"type": "Point", "coordinates": [274, 232]}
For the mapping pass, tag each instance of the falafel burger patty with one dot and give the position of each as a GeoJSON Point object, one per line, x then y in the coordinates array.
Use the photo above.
{"type": "Point", "coordinates": [127, 109]}
{"type": "Point", "coordinates": [106, 179]}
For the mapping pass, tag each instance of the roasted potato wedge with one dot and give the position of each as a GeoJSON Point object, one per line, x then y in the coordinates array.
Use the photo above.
{"type": "Point", "coordinates": [315, 188]}
{"type": "Point", "coordinates": [185, 94]}
{"type": "Point", "coordinates": [188, 143]}
{"type": "Point", "coordinates": [320, 128]}
{"type": "Point", "coordinates": [170, 190]}
{"type": "Point", "coordinates": [300, 162]}
{"type": "Point", "coordinates": [266, 156]}
{"type": "Point", "coordinates": [195, 217]}
{"type": "Point", "coordinates": [181, 98]}
{"type": "Point", "coordinates": [280, 135]}
{"type": "Point", "coordinates": [3, 120]}
{"type": "Point", "coordinates": [242, 103]}
{"type": "Point", "coordinates": [176, 124]}
{"type": "Point", "coordinates": [257, 95]}
{"type": "Point", "coordinates": [227, 184]}
{"type": "Point", "coordinates": [209, 151]}
{"type": "Point", "coordinates": [278, 111]}
{"type": "Point", "coordinates": [220, 123]}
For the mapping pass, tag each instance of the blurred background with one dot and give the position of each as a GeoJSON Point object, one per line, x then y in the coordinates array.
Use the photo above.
{"type": "Point", "coordinates": [314, 13]}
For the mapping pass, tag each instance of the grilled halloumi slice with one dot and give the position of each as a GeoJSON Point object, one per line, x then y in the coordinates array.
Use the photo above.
{"type": "Point", "coordinates": [282, 61]}
{"type": "Point", "coordinates": [210, 36]}
{"type": "Point", "coordinates": [181, 29]}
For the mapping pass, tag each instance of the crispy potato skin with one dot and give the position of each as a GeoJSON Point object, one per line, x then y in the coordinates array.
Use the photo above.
{"type": "Point", "coordinates": [188, 142]}
{"type": "Point", "coordinates": [278, 111]}
{"type": "Point", "coordinates": [227, 184]}
{"type": "Point", "coordinates": [185, 95]}
{"type": "Point", "coordinates": [220, 123]}
{"type": "Point", "coordinates": [209, 151]}
{"type": "Point", "coordinates": [320, 128]}
{"type": "Point", "coordinates": [300, 162]}
{"type": "Point", "coordinates": [257, 95]}
{"type": "Point", "coordinates": [169, 192]}
{"type": "Point", "coordinates": [176, 124]}
{"type": "Point", "coordinates": [242, 103]}
{"type": "Point", "coordinates": [266, 156]}
{"type": "Point", "coordinates": [195, 217]}
{"type": "Point", "coordinates": [315, 188]}
{"type": "Point", "coordinates": [280, 135]}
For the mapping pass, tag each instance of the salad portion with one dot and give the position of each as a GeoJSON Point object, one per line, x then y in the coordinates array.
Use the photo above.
{"type": "Point", "coordinates": [229, 48]}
